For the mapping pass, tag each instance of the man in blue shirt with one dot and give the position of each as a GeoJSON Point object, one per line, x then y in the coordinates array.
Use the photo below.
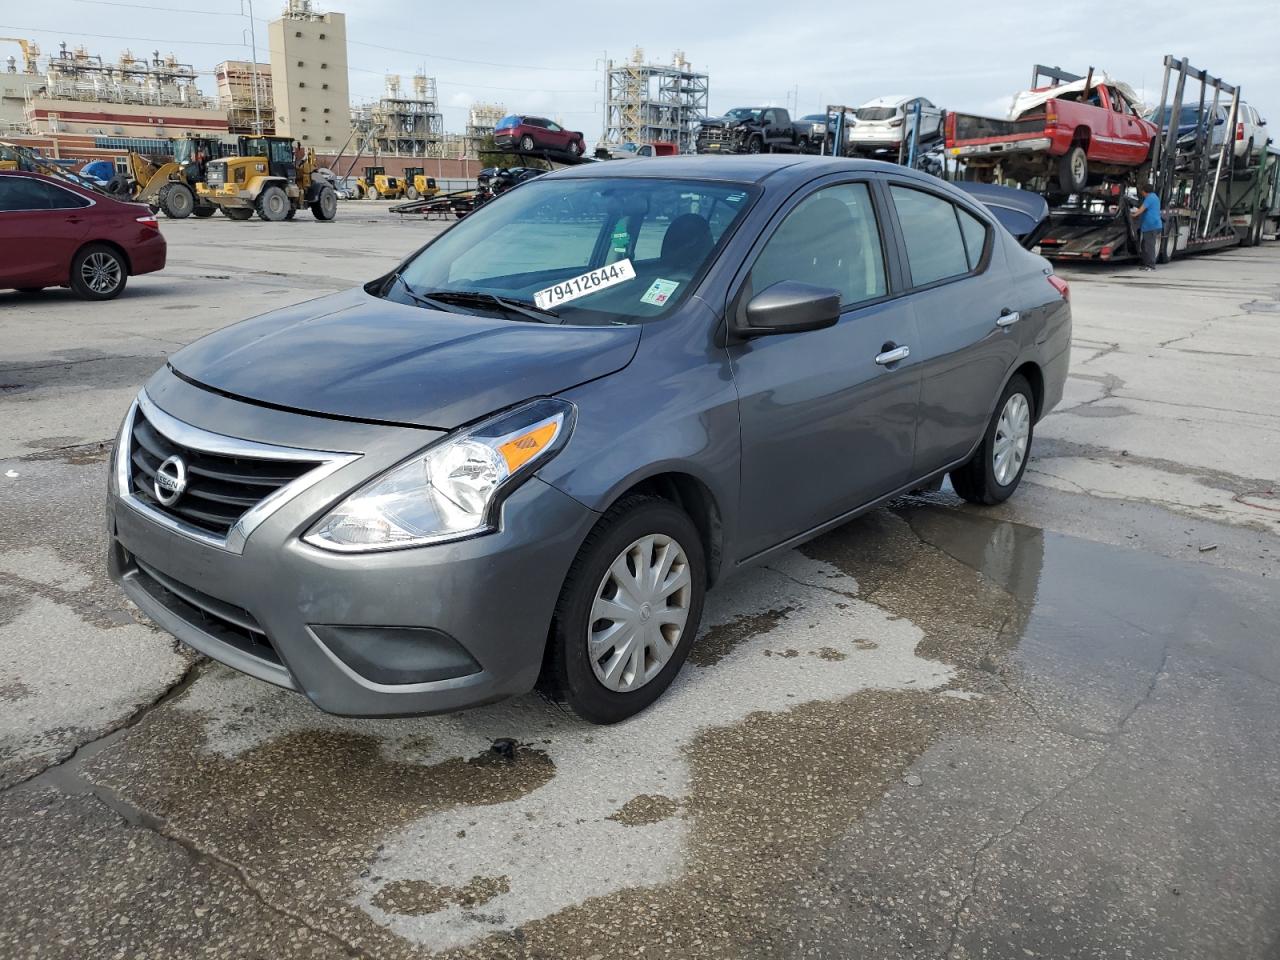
{"type": "Point", "coordinates": [1150, 224]}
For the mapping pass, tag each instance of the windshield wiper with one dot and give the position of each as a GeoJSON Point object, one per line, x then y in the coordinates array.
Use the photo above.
{"type": "Point", "coordinates": [418, 298]}
{"type": "Point", "coordinates": [524, 308]}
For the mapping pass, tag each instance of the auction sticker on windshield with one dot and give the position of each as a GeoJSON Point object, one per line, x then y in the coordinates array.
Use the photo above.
{"type": "Point", "coordinates": [589, 282]}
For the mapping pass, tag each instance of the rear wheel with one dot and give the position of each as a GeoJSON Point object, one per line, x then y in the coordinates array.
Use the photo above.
{"type": "Point", "coordinates": [412, 193]}
{"type": "Point", "coordinates": [325, 206]}
{"type": "Point", "coordinates": [272, 204]}
{"type": "Point", "coordinates": [237, 213]}
{"type": "Point", "coordinates": [628, 612]}
{"type": "Point", "coordinates": [1073, 170]}
{"type": "Point", "coordinates": [98, 272]}
{"type": "Point", "coordinates": [994, 471]}
{"type": "Point", "coordinates": [177, 201]}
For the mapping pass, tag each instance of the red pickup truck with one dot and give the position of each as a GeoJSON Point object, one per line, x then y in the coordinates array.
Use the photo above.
{"type": "Point", "coordinates": [1070, 135]}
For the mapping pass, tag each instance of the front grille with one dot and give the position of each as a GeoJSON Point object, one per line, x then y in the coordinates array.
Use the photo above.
{"type": "Point", "coordinates": [216, 175]}
{"type": "Point", "coordinates": [220, 489]}
{"type": "Point", "coordinates": [232, 625]}
{"type": "Point", "coordinates": [717, 135]}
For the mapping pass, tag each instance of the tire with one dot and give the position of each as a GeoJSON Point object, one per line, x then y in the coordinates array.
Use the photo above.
{"type": "Point", "coordinates": [272, 204]}
{"type": "Point", "coordinates": [177, 201]}
{"type": "Point", "coordinates": [119, 186]}
{"type": "Point", "coordinates": [412, 193]}
{"type": "Point", "coordinates": [203, 211]}
{"type": "Point", "coordinates": [1073, 170]}
{"type": "Point", "coordinates": [575, 148]}
{"type": "Point", "coordinates": [619, 538]}
{"type": "Point", "coordinates": [755, 145]}
{"type": "Point", "coordinates": [239, 214]}
{"type": "Point", "coordinates": [983, 479]}
{"type": "Point", "coordinates": [293, 212]}
{"type": "Point", "coordinates": [526, 143]}
{"type": "Point", "coordinates": [98, 272]}
{"type": "Point", "coordinates": [325, 206]}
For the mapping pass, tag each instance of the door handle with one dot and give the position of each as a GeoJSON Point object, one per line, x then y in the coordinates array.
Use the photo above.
{"type": "Point", "coordinates": [1008, 318]}
{"type": "Point", "coordinates": [892, 354]}
{"type": "Point", "coordinates": [74, 220]}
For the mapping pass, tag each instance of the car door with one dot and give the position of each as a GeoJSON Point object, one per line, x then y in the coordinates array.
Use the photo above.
{"type": "Point", "coordinates": [931, 120]}
{"type": "Point", "coordinates": [963, 314]}
{"type": "Point", "coordinates": [827, 416]}
{"type": "Point", "coordinates": [45, 225]}
{"type": "Point", "coordinates": [1131, 146]}
{"type": "Point", "coordinates": [556, 136]}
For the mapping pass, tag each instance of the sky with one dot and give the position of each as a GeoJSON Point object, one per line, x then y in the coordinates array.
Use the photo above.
{"type": "Point", "coordinates": [805, 54]}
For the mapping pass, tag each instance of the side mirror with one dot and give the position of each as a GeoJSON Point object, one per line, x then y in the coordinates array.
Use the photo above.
{"type": "Point", "coordinates": [789, 307]}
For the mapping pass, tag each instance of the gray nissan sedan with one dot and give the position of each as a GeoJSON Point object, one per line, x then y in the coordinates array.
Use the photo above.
{"type": "Point", "coordinates": [524, 455]}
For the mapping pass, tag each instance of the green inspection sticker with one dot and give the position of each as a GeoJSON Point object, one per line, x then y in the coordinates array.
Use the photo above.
{"type": "Point", "coordinates": [621, 240]}
{"type": "Point", "coordinates": [660, 292]}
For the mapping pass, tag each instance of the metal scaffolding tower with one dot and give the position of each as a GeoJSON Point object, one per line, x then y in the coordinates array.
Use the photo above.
{"type": "Point", "coordinates": [401, 124]}
{"type": "Point", "coordinates": [645, 102]}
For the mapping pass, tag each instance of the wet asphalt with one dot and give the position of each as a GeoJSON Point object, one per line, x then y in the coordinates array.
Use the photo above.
{"type": "Point", "coordinates": [1045, 730]}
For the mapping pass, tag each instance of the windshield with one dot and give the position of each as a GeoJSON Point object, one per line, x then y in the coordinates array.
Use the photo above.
{"type": "Point", "coordinates": [1187, 116]}
{"type": "Point", "coordinates": [645, 241]}
{"type": "Point", "coordinates": [744, 113]}
{"type": "Point", "coordinates": [876, 113]}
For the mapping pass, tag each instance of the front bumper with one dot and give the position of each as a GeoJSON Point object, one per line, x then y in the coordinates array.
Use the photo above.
{"type": "Point", "coordinates": [263, 610]}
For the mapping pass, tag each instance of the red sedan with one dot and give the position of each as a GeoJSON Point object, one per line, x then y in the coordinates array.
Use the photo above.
{"type": "Point", "coordinates": [57, 234]}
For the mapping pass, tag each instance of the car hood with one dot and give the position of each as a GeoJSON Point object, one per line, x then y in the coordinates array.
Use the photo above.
{"type": "Point", "coordinates": [360, 357]}
{"type": "Point", "coordinates": [721, 122]}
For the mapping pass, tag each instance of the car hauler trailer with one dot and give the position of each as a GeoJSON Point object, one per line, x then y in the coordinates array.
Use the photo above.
{"type": "Point", "coordinates": [1254, 194]}
{"type": "Point", "coordinates": [1193, 178]}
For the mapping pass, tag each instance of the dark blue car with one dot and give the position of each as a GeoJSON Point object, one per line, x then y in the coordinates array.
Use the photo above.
{"type": "Point", "coordinates": [525, 454]}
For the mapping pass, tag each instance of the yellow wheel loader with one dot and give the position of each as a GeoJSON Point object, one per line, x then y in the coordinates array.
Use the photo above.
{"type": "Point", "coordinates": [417, 185]}
{"type": "Point", "coordinates": [376, 185]}
{"type": "Point", "coordinates": [271, 179]}
{"type": "Point", "coordinates": [170, 184]}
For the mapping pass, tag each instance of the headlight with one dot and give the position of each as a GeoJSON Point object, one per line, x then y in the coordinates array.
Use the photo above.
{"type": "Point", "coordinates": [451, 490]}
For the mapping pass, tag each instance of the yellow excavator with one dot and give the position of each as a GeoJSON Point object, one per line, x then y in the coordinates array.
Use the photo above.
{"type": "Point", "coordinates": [268, 178]}
{"type": "Point", "coordinates": [171, 184]}
{"type": "Point", "coordinates": [417, 185]}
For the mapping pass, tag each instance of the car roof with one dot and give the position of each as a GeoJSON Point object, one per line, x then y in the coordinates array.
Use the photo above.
{"type": "Point", "coordinates": [741, 168]}
{"type": "Point", "coordinates": [891, 101]}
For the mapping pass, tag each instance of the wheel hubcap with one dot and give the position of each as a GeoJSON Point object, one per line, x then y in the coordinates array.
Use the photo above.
{"type": "Point", "coordinates": [1013, 433]}
{"type": "Point", "coordinates": [100, 272]}
{"type": "Point", "coordinates": [639, 613]}
{"type": "Point", "coordinates": [1077, 167]}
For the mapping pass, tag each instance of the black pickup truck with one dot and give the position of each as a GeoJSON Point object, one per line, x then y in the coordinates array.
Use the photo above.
{"type": "Point", "coordinates": [759, 130]}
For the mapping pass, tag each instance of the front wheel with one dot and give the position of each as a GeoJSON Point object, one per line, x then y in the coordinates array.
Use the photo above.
{"type": "Point", "coordinates": [628, 612]}
{"type": "Point", "coordinates": [575, 148]}
{"type": "Point", "coordinates": [273, 204]}
{"type": "Point", "coordinates": [995, 470]}
{"type": "Point", "coordinates": [325, 206]}
{"type": "Point", "coordinates": [755, 145]}
{"type": "Point", "coordinates": [412, 193]}
{"type": "Point", "coordinates": [526, 143]}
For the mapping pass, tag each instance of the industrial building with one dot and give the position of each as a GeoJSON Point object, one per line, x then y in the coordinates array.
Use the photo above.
{"type": "Point", "coordinates": [309, 76]}
{"type": "Point", "coordinates": [403, 123]}
{"type": "Point", "coordinates": [244, 92]}
{"type": "Point", "coordinates": [482, 118]}
{"type": "Point", "coordinates": [648, 102]}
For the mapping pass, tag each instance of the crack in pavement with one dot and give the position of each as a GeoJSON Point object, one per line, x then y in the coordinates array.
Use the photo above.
{"type": "Point", "coordinates": [20, 368]}
{"type": "Point", "coordinates": [976, 871]}
{"type": "Point", "coordinates": [66, 777]}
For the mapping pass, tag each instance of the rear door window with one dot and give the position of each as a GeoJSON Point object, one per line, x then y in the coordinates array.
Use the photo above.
{"type": "Point", "coordinates": [975, 236]}
{"type": "Point", "coordinates": [20, 193]}
{"type": "Point", "coordinates": [931, 231]}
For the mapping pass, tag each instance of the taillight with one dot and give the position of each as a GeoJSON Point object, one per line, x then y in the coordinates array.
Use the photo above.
{"type": "Point", "coordinates": [1050, 119]}
{"type": "Point", "coordinates": [1239, 131]}
{"type": "Point", "coordinates": [1064, 290]}
{"type": "Point", "coordinates": [150, 221]}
